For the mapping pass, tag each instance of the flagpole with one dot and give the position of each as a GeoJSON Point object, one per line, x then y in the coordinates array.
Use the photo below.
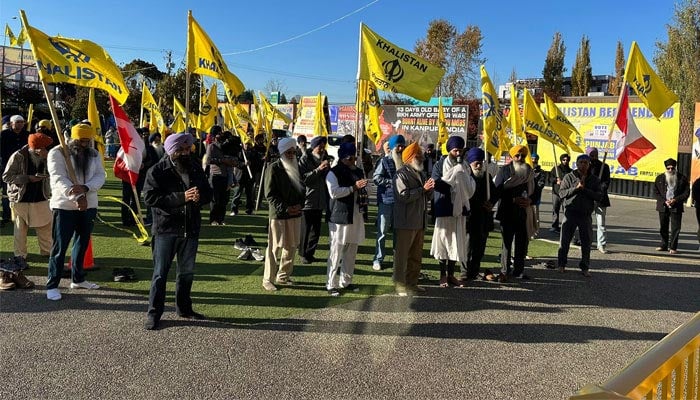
{"type": "Point", "coordinates": [137, 200]}
{"type": "Point", "coordinates": [611, 129]}
{"type": "Point", "coordinates": [143, 85]}
{"type": "Point", "coordinates": [556, 170]}
{"type": "Point", "coordinates": [234, 120]}
{"type": "Point", "coordinates": [52, 108]}
{"type": "Point", "coordinates": [187, 100]}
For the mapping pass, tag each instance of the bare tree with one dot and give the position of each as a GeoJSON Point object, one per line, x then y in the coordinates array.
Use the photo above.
{"type": "Point", "coordinates": [275, 85]}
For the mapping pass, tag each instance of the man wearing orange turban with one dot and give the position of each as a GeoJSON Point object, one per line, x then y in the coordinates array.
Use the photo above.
{"type": "Point", "coordinates": [28, 191]}
{"type": "Point", "coordinates": [514, 186]}
{"type": "Point", "coordinates": [412, 192]}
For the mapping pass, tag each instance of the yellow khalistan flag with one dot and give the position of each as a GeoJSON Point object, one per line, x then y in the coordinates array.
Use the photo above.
{"type": "Point", "coordinates": [320, 126]}
{"type": "Point", "coordinates": [492, 116]}
{"type": "Point", "coordinates": [178, 124]}
{"type": "Point", "coordinates": [15, 41]}
{"type": "Point", "coordinates": [394, 69]}
{"type": "Point", "coordinates": [259, 127]}
{"type": "Point", "coordinates": [178, 108]}
{"type": "Point", "coordinates": [30, 115]}
{"type": "Point", "coordinates": [368, 104]}
{"type": "Point", "coordinates": [76, 61]}
{"type": "Point", "coordinates": [443, 134]}
{"type": "Point", "coordinates": [94, 118]}
{"type": "Point", "coordinates": [516, 123]}
{"type": "Point", "coordinates": [536, 123]}
{"type": "Point", "coordinates": [236, 122]}
{"type": "Point", "coordinates": [149, 103]}
{"type": "Point", "coordinates": [648, 86]}
{"type": "Point", "coordinates": [272, 113]}
{"type": "Point", "coordinates": [566, 130]}
{"type": "Point", "coordinates": [207, 110]}
{"type": "Point", "coordinates": [205, 59]}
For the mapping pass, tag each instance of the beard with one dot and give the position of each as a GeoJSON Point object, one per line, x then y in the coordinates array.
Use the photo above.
{"type": "Point", "coordinates": [521, 170]}
{"type": "Point", "coordinates": [80, 155]}
{"type": "Point", "coordinates": [38, 162]}
{"type": "Point", "coordinates": [292, 169]}
{"type": "Point", "coordinates": [671, 178]}
{"type": "Point", "coordinates": [416, 164]}
{"type": "Point", "coordinates": [478, 172]}
{"type": "Point", "coordinates": [182, 163]}
{"type": "Point", "coordinates": [396, 156]}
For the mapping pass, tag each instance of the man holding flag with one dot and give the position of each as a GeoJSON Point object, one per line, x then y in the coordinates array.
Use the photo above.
{"type": "Point", "coordinates": [74, 205]}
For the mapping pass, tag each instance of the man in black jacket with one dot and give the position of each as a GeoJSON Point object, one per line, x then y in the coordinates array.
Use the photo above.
{"type": "Point", "coordinates": [558, 173]}
{"type": "Point", "coordinates": [313, 166]}
{"type": "Point", "coordinates": [175, 189]}
{"type": "Point", "coordinates": [602, 171]}
{"type": "Point", "coordinates": [671, 190]}
{"type": "Point", "coordinates": [579, 190]}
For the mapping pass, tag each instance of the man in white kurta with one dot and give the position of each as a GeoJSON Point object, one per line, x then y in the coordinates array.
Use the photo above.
{"type": "Point", "coordinates": [454, 186]}
{"type": "Point", "coordinates": [347, 229]}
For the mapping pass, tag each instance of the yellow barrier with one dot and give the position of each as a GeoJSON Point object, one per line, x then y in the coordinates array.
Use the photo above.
{"type": "Point", "coordinates": [670, 369]}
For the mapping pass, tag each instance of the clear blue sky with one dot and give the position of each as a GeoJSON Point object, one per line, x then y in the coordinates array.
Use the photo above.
{"type": "Point", "coordinates": [517, 34]}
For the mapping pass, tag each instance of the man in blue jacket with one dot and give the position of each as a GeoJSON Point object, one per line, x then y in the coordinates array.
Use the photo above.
{"type": "Point", "coordinates": [175, 189]}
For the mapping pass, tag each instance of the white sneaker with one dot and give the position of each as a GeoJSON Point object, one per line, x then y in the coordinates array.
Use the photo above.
{"type": "Point", "coordinates": [84, 285]}
{"type": "Point", "coordinates": [257, 255]}
{"type": "Point", "coordinates": [377, 266]}
{"type": "Point", "coordinates": [53, 294]}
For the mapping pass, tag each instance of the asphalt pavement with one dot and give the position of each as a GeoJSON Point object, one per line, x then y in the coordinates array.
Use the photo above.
{"type": "Point", "coordinates": [541, 339]}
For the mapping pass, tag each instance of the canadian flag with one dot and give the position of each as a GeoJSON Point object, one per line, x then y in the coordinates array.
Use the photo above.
{"type": "Point", "coordinates": [130, 154]}
{"type": "Point", "coordinates": [633, 145]}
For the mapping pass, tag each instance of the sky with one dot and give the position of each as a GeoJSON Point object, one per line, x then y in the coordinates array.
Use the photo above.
{"type": "Point", "coordinates": [312, 45]}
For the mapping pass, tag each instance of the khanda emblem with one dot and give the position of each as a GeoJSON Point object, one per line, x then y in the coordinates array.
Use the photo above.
{"type": "Point", "coordinates": [74, 55]}
{"type": "Point", "coordinates": [643, 88]}
{"type": "Point", "coordinates": [488, 108]}
{"type": "Point", "coordinates": [372, 98]}
{"type": "Point", "coordinates": [392, 70]}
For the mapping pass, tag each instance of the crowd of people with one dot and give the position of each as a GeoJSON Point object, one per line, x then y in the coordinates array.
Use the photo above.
{"type": "Point", "coordinates": [54, 190]}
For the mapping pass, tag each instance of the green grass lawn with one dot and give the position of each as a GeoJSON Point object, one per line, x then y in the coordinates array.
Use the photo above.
{"type": "Point", "coordinates": [228, 289]}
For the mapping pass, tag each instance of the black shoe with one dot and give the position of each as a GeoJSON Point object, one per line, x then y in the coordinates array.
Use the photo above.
{"type": "Point", "coordinates": [334, 292]}
{"type": "Point", "coordinates": [249, 212]}
{"type": "Point", "coordinates": [249, 241]}
{"type": "Point", "coordinates": [577, 242]}
{"type": "Point", "coordinates": [151, 324]}
{"type": "Point", "coordinates": [351, 288]}
{"type": "Point", "coordinates": [119, 275]}
{"type": "Point", "coordinates": [239, 244]}
{"type": "Point", "coordinates": [523, 277]}
{"type": "Point", "coordinates": [191, 315]}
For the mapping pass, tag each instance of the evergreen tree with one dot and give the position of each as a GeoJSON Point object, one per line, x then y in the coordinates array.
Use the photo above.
{"type": "Point", "coordinates": [581, 75]}
{"type": "Point", "coordinates": [553, 72]}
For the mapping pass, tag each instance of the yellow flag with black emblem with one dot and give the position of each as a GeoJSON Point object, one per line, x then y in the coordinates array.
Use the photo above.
{"type": "Point", "coordinates": [516, 123]}
{"type": "Point", "coordinates": [204, 58]}
{"type": "Point", "coordinates": [149, 103]}
{"type": "Point", "coordinates": [394, 69]}
{"type": "Point", "coordinates": [566, 130]}
{"type": "Point", "coordinates": [178, 124]}
{"type": "Point", "coordinates": [15, 41]}
{"type": "Point", "coordinates": [368, 103]}
{"type": "Point", "coordinates": [207, 110]}
{"type": "Point", "coordinates": [648, 86]}
{"type": "Point", "coordinates": [536, 123]}
{"type": "Point", "coordinates": [491, 115]}
{"type": "Point", "coordinates": [77, 61]}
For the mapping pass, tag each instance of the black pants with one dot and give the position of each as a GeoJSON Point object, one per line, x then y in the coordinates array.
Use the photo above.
{"type": "Point", "coordinates": [6, 211]}
{"type": "Point", "coordinates": [666, 216]}
{"type": "Point", "coordinates": [697, 217]}
{"type": "Point", "coordinates": [477, 227]}
{"type": "Point", "coordinates": [219, 198]}
{"type": "Point", "coordinates": [517, 229]}
{"type": "Point", "coordinates": [128, 198]}
{"type": "Point", "coordinates": [556, 206]}
{"type": "Point", "coordinates": [311, 231]}
{"type": "Point", "coordinates": [573, 220]}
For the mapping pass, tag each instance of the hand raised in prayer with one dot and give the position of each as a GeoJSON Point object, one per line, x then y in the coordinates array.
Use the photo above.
{"type": "Point", "coordinates": [192, 194]}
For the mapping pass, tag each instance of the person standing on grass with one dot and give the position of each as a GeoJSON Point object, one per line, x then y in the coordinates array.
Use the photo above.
{"type": "Point", "coordinates": [285, 196]}
{"type": "Point", "coordinates": [579, 191]}
{"type": "Point", "coordinates": [671, 190]}
{"type": "Point", "coordinates": [74, 206]}
{"type": "Point", "coordinates": [345, 181]}
{"type": "Point", "coordinates": [695, 190]}
{"type": "Point", "coordinates": [454, 187]}
{"type": "Point", "coordinates": [175, 189]}
{"type": "Point", "coordinates": [383, 177]}
{"type": "Point", "coordinates": [313, 166]}
{"type": "Point", "coordinates": [411, 192]}
{"type": "Point", "coordinates": [557, 175]}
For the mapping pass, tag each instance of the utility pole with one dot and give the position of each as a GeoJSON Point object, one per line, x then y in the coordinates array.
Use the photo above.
{"type": "Point", "coordinates": [169, 65]}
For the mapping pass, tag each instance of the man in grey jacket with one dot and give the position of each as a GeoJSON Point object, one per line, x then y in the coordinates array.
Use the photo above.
{"type": "Point", "coordinates": [579, 190]}
{"type": "Point", "coordinates": [411, 193]}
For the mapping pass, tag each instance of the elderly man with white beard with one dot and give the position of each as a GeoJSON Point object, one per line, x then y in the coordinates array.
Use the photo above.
{"type": "Point", "coordinates": [74, 206]}
{"type": "Point", "coordinates": [514, 187]}
{"type": "Point", "coordinates": [411, 192]}
{"type": "Point", "coordinates": [671, 190]}
{"type": "Point", "coordinates": [285, 196]}
{"type": "Point", "coordinates": [383, 177]}
{"type": "Point", "coordinates": [346, 225]}
{"type": "Point", "coordinates": [454, 187]}
{"type": "Point", "coordinates": [478, 224]}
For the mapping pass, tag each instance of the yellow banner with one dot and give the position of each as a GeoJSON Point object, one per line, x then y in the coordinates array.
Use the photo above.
{"type": "Point", "coordinates": [648, 86]}
{"type": "Point", "coordinates": [76, 61]}
{"type": "Point", "coordinates": [204, 58]}
{"type": "Point", "coordinates": [394, 69]}
{"type": "Point", "coordinates": [593, 121]}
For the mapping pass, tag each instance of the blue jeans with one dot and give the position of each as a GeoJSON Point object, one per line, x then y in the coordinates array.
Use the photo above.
{"type": "Point", "coordinates": [165, 247]}
{"type": "Point", "coordinates": [67, 224]}
{"type": "Point", "coordinates": [385, 221]}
